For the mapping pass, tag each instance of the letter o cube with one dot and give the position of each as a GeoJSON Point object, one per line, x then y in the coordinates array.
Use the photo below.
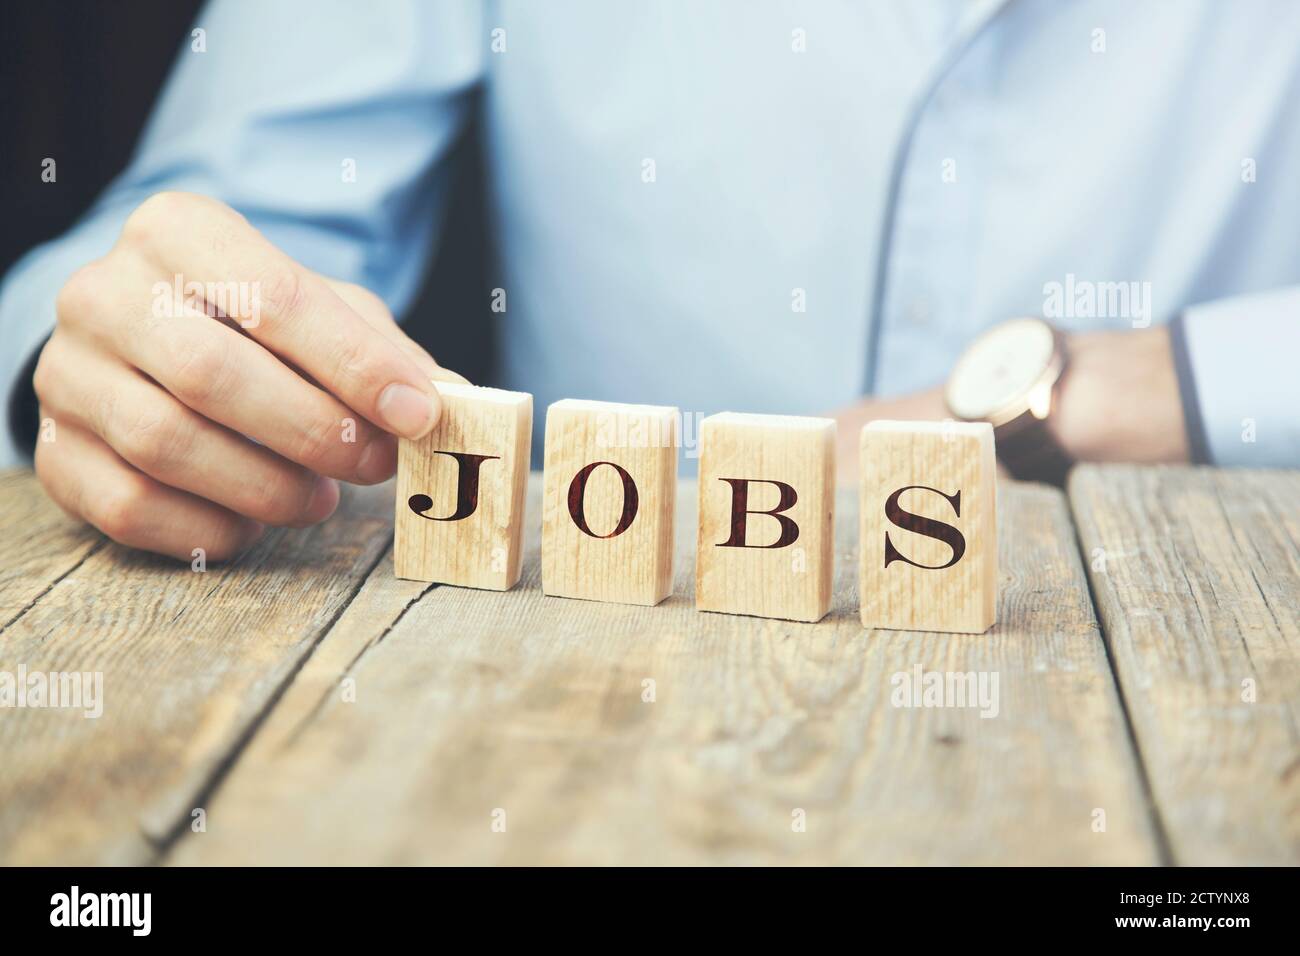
{"type": "Point", "coordinates": [609, 492]}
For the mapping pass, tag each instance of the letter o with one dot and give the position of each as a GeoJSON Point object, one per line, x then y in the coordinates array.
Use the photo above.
{"type": "Point", "coordinates": [578, 491]}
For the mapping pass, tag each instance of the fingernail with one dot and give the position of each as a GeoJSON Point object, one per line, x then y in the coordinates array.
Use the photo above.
{"type": "Point", "coordinates": [324, 499]}
{"type": "Point", "coordinates": [441, 374]}
{"type": "Point", "coordinates": [378, 461]}
{"type": "Point", "coordinates": [407, 411]}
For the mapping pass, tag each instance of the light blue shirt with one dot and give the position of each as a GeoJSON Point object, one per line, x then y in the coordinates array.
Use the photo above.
{"type": "Point", "coordinates": [766, 206]}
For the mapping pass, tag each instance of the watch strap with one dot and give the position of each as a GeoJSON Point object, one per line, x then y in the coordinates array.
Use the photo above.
{"type": "Point", "coordinates": [1030, 452]}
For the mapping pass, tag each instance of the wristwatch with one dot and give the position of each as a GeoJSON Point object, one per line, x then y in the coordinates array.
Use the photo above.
{"type": "Point", "coordinates": [1009, 377]}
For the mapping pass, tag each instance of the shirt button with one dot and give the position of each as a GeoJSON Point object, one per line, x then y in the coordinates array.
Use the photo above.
{"type": "Point", "coordinates": [917, 313]}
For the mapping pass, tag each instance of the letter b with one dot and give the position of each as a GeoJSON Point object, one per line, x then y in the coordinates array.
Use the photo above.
{"type": "Point", "coordinates": [740, 512]}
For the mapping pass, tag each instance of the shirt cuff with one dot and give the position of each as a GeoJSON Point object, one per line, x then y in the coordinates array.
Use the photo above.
{"type": "Point", "coordinates": [1236, 365]}
{"type": "Point", "coordinates": [27, 318]}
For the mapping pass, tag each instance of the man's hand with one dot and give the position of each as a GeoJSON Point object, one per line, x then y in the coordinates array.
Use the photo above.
{"type": "Point", "coordinates": [154, 401]}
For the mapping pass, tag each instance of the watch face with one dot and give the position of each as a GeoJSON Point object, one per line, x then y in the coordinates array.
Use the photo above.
{"type": "Point", "coordinates": [1000, 368]}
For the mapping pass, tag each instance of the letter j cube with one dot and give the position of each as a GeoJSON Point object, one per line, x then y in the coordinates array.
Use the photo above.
{"type": "Point", "coordinates": [767, 516]}
{"type": "Point", "coordinates": [929, 526]}
{"type": "Point", "coordinates": [461, 490]}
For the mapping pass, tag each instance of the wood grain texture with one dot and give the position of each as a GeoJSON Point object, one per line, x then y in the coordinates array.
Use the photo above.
{"type": "Point", "coordinates": [610, 492]}
{"type": "Point", "coordinates": [469, 526]}
{"type": "Point", "coordinates": [604, 733]}
{"type": "Point", "coordinates": [941, 477]}
{"type": "Point", "coordinates": [1197, 578]}
{"type": "Point", "coordinates": [40, 544]}
{"type": "Point", "coordinates": [766, 537]}
{"type": "Point", "coordinates": [190, 662]}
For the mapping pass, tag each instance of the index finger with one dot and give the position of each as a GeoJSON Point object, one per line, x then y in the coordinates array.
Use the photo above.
{"type": "Point", "coordinates": [291, 311]}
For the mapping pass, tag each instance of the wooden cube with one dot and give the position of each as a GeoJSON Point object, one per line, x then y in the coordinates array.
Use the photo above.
{"type": "Point", "coordinates": [461, 490]}
{"type": "Point", "coordinates": [929, 526]}
{"type": "Point", "coordinates": [766, 542]}
{"type": "Point", "coordinates": [609, 490]}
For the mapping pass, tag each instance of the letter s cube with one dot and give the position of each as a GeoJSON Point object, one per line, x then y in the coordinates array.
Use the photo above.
{"type": "Point", "coordinates": [929, 526]}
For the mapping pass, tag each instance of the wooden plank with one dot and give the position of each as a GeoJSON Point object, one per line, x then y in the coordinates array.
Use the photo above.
{"type": "Point", "coordinates": [41, 544]}
{"type": "Point", "coordinates": [603, 733]}
{"type": "Point", "coordinates": [1197, 578]}
{"type": "Point", "coordinates": [190, 662]}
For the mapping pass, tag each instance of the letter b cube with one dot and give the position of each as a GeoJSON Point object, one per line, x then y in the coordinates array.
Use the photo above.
{"type": "Point", "coordinates": [767, 516]}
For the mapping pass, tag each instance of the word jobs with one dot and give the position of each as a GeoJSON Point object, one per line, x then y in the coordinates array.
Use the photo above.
{"type": "Point", "coordinates": [766, 519]}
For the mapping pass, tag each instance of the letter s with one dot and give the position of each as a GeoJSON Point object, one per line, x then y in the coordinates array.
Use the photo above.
{"type": "Point", "coordinates": [929, 527]}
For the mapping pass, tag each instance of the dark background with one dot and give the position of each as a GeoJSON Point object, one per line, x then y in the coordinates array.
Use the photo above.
{"type": "Point", "coordinates": [77, 81]}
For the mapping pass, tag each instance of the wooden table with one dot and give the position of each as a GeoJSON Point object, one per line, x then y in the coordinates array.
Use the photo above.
{"type": "Point", "coordinates": [302, 705]}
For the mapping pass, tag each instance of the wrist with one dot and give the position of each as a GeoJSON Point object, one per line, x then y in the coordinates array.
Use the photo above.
{"type": "Point", "coordinates": [1119, 399]}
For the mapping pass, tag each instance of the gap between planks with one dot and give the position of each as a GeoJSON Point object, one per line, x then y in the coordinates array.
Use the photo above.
{"type": "Point", "coordinates": [187, 675]}
{"type": "Point", "coordinates": [1196, 577]}
{"type": "Point", "coordinates": [466, 700]}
